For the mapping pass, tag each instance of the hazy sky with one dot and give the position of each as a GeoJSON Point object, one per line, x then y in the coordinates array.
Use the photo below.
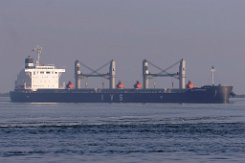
{"type": "Point", "coordinates": [204, 32]}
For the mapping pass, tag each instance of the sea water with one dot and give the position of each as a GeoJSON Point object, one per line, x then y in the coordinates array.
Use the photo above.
{"type": "Point", "coordinates": [78, 132]}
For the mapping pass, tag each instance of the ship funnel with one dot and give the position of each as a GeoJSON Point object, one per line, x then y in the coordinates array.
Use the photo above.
{"type": "Point", "coordinates": [77, 75]}
{"type": "Point", "coordinates": [112, 74]}
{"type": "Point", "coordinates": [145, 74]}
{"type": "Point", "coordinates": [182, 74]}
{"type": "Point", "coordinates": [29, 62]}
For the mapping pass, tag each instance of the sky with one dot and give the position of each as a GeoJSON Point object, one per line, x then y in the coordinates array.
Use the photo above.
{"type": "Point", "coordinates": [205, 33]}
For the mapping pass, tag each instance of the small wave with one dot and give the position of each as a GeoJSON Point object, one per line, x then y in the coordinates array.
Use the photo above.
{"type": "Point", "coordinates": [202, 128]}
{"type": "Point", "coordinates": [22, 153]}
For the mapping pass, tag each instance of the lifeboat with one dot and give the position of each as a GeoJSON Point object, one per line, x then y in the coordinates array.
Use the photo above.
{"type": "Point", "coordinates": [70, 85]}
{"type": "Point", "coordinates": [189, 85]}
{"type": "Point", "coordinates": [137, 85]}
{"type": "Point", "coordinates": [120, 85]}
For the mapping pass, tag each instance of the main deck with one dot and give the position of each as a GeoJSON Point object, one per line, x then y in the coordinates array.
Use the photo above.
{"type": "Point", "coordinates": [206, 94]}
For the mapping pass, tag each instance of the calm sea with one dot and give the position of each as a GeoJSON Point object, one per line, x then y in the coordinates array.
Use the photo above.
{"type": "Point", "coordinates": [55, 132]}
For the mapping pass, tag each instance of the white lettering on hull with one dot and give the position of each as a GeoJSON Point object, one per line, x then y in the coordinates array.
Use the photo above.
{"type": "Point", "coordinates": [111, 97]}
{"type": "Point", "coordinates": [121, 97]}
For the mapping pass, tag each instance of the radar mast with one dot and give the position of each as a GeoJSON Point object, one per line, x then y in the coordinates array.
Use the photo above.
{"type": "Point", "coordinates": [212, 75]}
{"type": "Point", "coordinates": [38, 49]}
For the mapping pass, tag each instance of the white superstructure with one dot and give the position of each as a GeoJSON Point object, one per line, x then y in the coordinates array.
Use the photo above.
{"type": "Point", "coordinates": [36, 76]}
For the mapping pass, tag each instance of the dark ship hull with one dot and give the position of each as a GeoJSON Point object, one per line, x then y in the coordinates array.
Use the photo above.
{"type": "Point", "coordinates": [205, 94]}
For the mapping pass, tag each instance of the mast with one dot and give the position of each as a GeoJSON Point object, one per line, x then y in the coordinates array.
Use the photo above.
{"type": "Point", "coordinates": [212, 75]}
{"type": "Point", "coordinates": [112, 74]}
{"type": "Point", "coordinates": [77, 75]}
{"type": "Point", "coordinates": [182, 74]}
{"type": "Point", "coordinates": [145, 74]}
{"type": "Point", "coordinates": [38, 49]}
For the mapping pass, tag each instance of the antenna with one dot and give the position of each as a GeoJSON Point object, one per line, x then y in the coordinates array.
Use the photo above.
{"type": "Point", "coordinates": [38, 49]}
{"type": "Point", "coordinates": [212, 74]}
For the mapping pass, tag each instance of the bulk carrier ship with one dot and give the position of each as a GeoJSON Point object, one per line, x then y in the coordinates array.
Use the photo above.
{"type": "Point", "coordinates": [41, 83]}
